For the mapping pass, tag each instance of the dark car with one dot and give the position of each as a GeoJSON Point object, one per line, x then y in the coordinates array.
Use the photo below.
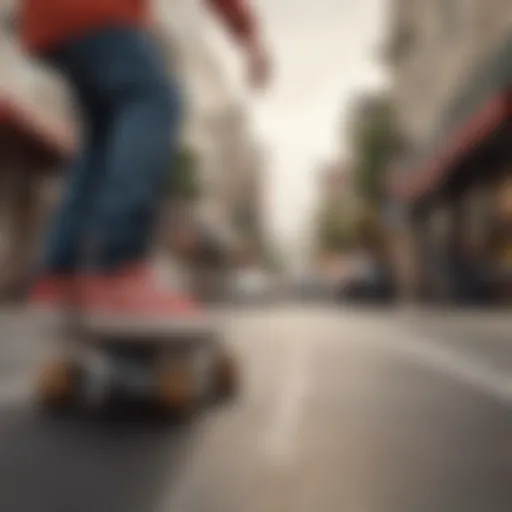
{"type": "Point", "coordinates": [372, 284]}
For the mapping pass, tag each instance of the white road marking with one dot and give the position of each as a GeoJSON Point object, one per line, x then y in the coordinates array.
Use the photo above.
{"type": "Point", "coordinates": [295, 344]}
{"type": "Point", "coordinates": [293, 347]}
{"type": "Point", "coordinates": [453, 363]}
{"type": "Point", "coordinates": [281, 433]}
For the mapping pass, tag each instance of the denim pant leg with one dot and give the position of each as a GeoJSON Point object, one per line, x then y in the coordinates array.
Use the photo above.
{"type": "Point", "coordinates": [144, 132]}
{"type": "Point", "coordinates": [64, 244]}
{"type": "Point", "coordinates": [132, 115]}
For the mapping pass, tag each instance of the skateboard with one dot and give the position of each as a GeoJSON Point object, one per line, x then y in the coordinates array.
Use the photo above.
{"type": "Point", "coordinates": [172, 368]}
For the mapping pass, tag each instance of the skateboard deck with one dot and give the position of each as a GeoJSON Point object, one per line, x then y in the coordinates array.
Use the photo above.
{"type": "Point", "coordinates": [177, 331]}
{"type": "Point", "coordinates": [174, 364]}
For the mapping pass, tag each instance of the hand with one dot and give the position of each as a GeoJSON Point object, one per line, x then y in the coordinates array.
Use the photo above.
{"type": "Point", "coordinates": [258, 63]}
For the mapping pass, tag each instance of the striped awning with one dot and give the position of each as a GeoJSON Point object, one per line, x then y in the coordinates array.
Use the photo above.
{"type": "Point", "coordinates": [481, 107]}
{"type": "Point", "coordinates": [411, 186]}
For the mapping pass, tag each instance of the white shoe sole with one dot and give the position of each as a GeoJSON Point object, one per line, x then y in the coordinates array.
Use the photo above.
{"type": "Point", "coordinates": [137, 329]}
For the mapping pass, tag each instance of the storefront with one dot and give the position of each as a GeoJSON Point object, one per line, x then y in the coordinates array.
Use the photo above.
{"type": "Point", "coordinates": [502, 246]}
{"type": "Point", "coordinates": [31, 153]}
{"type": "Point", "coordinates": [455, 193]}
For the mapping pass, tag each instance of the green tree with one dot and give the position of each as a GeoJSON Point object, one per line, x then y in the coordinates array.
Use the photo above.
{"type": "Point", "coordinates": [336, 229]}
{"type": "Point", "coordinates": [183, 181]}
{"type": "Point", "coordinates": [374, 142]}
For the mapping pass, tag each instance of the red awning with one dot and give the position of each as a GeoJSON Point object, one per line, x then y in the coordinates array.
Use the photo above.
{"type": "Point", "coordinates": [42, 141]}
{"type": "Point", "coordinates": [411, 186]}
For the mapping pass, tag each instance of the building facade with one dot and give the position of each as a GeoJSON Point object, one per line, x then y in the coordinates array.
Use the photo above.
{"type": "Point", "coordinates": [451, 62]}
{"type": "Point", "coordinates": [216, 125]}
{"type": "Point", "coordinates": [36, 137]}
{"type": "Point", "coordinates": [38, 127]}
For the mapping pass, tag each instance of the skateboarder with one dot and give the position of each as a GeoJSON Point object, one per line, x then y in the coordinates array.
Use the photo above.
{"type": "Point", "coordinates": [96, 255]}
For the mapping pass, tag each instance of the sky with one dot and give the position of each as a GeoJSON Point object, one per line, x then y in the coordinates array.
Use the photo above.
{"type": "Point", "coordinates": [325, 52]}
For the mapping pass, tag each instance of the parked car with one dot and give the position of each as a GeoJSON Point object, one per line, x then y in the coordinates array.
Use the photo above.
{"type": "Point", "coordinates": [369, 282]}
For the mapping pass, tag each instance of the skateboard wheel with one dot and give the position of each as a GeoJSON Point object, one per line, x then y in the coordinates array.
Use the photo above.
{"type": "Point", "coordinates": [176, 389]}
{"type": "Point", "coordinates": [226, 375]}
{"type": "Point", "coordinates": [55, 385]}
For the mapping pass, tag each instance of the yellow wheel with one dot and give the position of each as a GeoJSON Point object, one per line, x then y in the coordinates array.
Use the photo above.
{"type": "Point", "coordinates": [226, 375]}
{"type": "Point", "coordinates": [55, 385]}
{"type": "Point", "coordinates": [176, 389]}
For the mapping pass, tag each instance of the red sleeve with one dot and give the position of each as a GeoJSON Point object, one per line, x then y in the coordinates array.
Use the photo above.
{"type": "Point", "coordinates": [237, 15]}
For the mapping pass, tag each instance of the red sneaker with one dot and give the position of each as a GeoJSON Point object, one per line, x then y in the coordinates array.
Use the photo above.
{"type": "Point", "coordinates": [134, 298]}
{"type": "Point", "coordinates": [53, 292]}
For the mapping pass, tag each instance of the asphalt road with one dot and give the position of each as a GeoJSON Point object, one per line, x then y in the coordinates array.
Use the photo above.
{"type": "Point", "coordinates": [341, 410]}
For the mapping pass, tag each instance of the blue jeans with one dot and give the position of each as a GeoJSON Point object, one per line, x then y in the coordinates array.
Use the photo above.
{"type": "Point", "coordinates": [131, 112]}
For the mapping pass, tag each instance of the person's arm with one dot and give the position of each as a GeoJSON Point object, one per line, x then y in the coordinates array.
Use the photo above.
{"type": "Point", "coordinates": [238, 17]}
{"type": "Point", "coordinates": [240, 20]}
